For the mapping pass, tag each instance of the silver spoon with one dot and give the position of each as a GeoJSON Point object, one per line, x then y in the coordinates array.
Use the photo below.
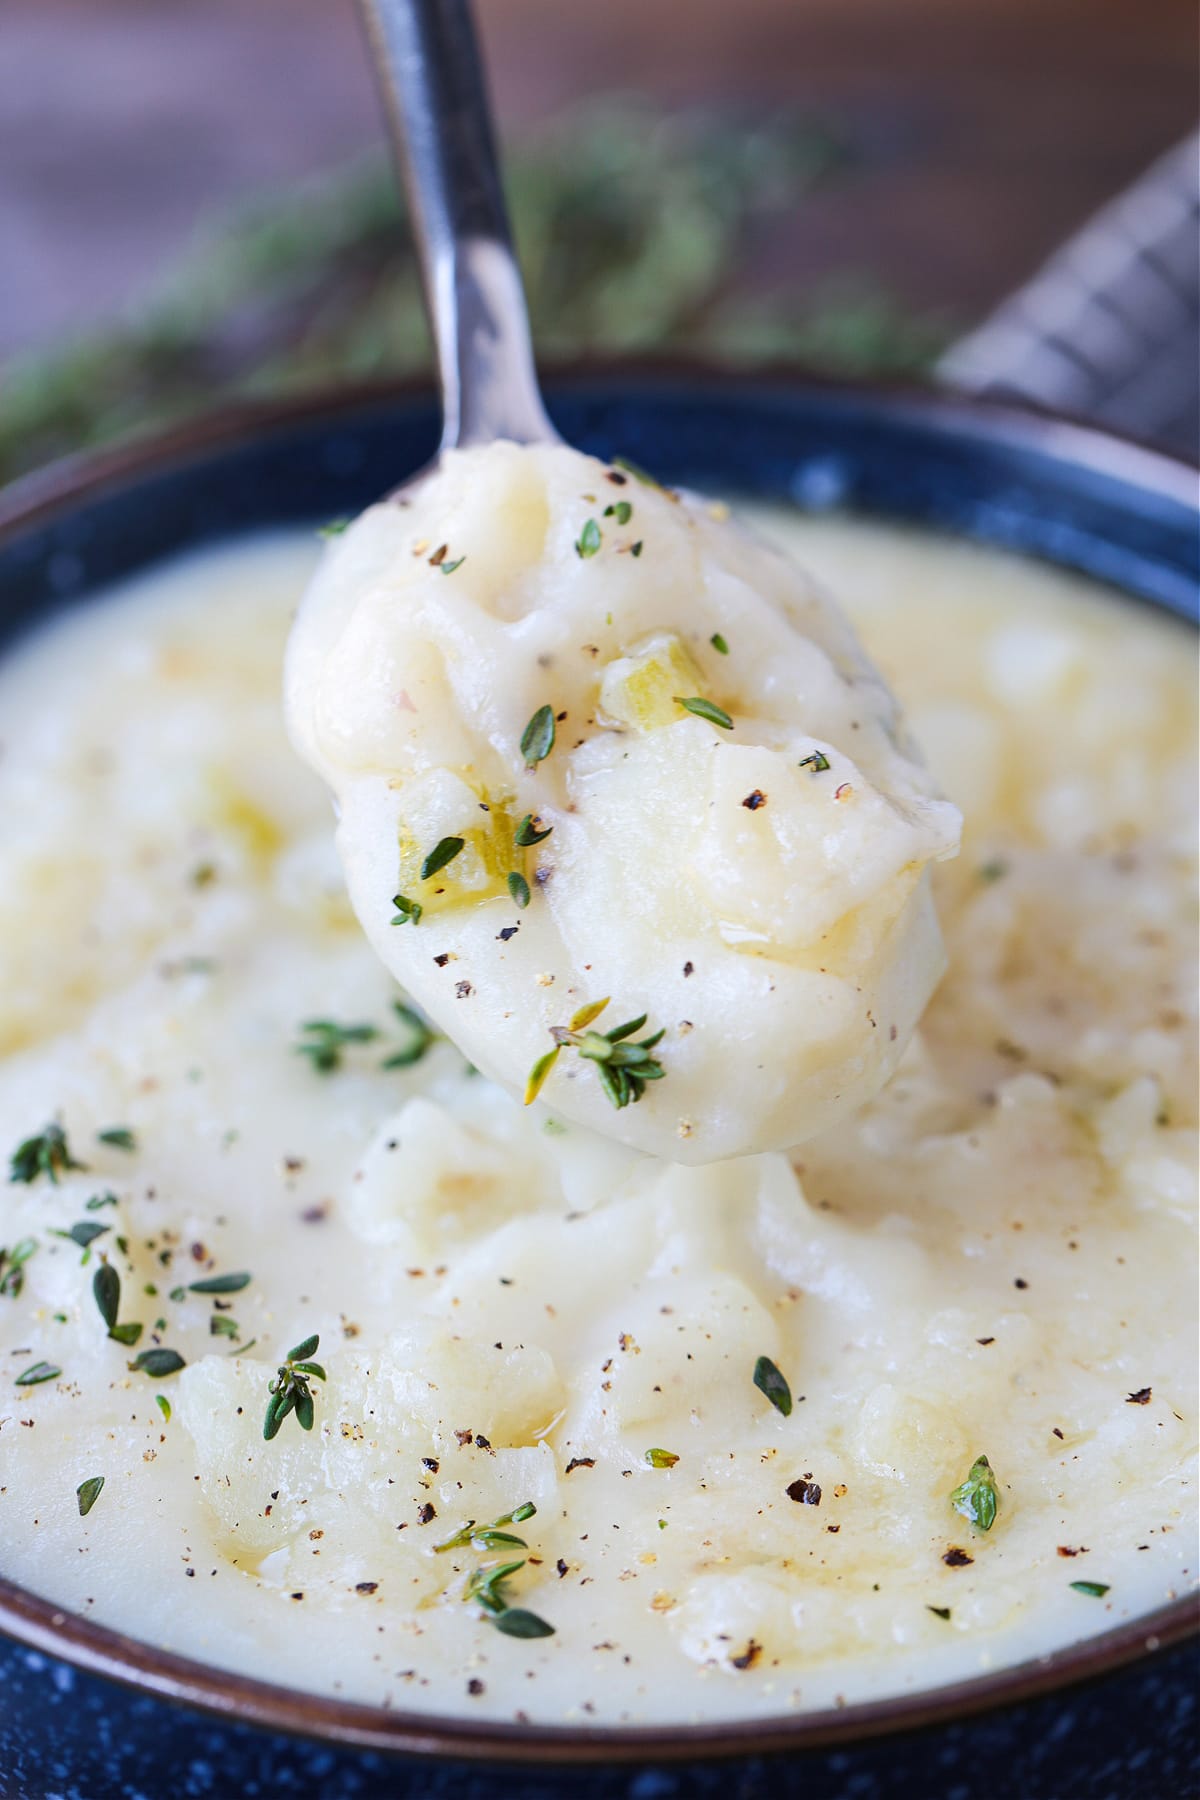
{"type": "Point", "coordinates": [427, 61]}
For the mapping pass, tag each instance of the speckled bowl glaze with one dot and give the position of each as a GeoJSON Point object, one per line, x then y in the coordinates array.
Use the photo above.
{"type": "Point", "coordinates": [88, 1715]}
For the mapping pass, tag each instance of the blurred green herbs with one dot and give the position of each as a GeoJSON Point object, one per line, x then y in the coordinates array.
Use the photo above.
{"type": "Point", "coordinates": [637, 233]}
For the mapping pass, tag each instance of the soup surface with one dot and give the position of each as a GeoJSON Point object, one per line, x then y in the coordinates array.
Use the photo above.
{"type": "Point", "coordinates": [226, 1140]}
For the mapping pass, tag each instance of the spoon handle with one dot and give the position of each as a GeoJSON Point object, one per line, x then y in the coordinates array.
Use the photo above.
{"type": "Point", "coordinates": [427, 61]}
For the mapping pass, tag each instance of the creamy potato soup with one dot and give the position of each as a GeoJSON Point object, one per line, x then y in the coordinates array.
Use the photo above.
{"type": "Point", "coordinates": [324, 1359]}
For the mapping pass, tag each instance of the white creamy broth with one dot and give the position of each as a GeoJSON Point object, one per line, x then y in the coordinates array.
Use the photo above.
{"type": "Point", "coordinates": [994, 1258]}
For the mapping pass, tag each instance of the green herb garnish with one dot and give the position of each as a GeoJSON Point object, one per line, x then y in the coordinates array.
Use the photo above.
{"type": "Point", "coordinates": [718, 643]}
{"type": "Point", "coordinates": [624, 1068]}
{"type": "Point", "coordinates": [327, 1040]}
{"type": "Point", "coordinates": [1096, 1589]}
{"type": "Point", "coordinates": [443, 852]}
{"type": "Point", "coordinates": [421, 1036]}
{"type": "Point", "coordinates": [448, 568]}
{"type": "Point", "coordinates": [470, 1533]}
{"type": "Point", "coordinates": [222, 1325]}
{"type": "Point", "coordinates": [620, 510]}
{"type": "Point", "coordinates": [83, 1234]}
{"type": "Point", "coordinates": [47, 1154]}
{"type": "Point", "coordinates": [769, 1381]}
{"type": "Point", "coordinates": [106, 1290]}
{"type": "Point", "coordinates": [818, 762]}
{"type": "Point", "coordinates": [943, 1612]}
{"type": "Point", "coordinates": [518, 887]}
{"type": "Point", "coordinates": [588, 541]}
{"type": "Point", "coordinates": [977, 1498]}
{"type": "Point", "coordinates": [98, 1201]}
{"type": "Point", "coordinates": [995, 870]}
{"type": "Point", "coordinates": [12, 1267]}
{"type": "Point", "coordinates": [164, 1407]}
{"type": "Point", "coordinates": [537, 739]}
{"type": "Point", "coordinates": [290, 1390]}
{"type": "Point", "coordinates": [661, 1459]}
{"type": "Point", "coordinates": [221, 1284]}
{"type": "Point", "coordinates": [157, 1363]}
{"type": "Point", "coordinates": [334, 528]}
{"type": "Point", "coordinates": [119, 1136]}
{"type": "Point", "coordinates": [519, 1622]}
{"type": "Point", "coordinates": [704, 709]}
{"type": "Point", "coordinates": [38, 1372]}
{"type": "Point", "coordinates": [406, 910]}
{"type": "Point", "coordinates": [87, 1493]}
{"type": "Point", "coordinates": [527, 833]}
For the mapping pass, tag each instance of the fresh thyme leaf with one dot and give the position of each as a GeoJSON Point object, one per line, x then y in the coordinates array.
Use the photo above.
{"type": "Point", "coordinates": [620, 510]}
{"type": "Point", "coordinates": [222, 1325]}
{"type": "Point", "coordinates": [327, 1040]}
{"type": "Point", "coordinates": [164, 1407]}
{"type": "Point", "coordinates": [587, 1014]}
{"type": "Point", "coordinates": [518, 1622]}
{"type": "Point", "coordinates": [177, 1294]}
{"type": "Point", "coordinates": [636, 549]}
{"type": "Point", "coordinates": [443, 852]}
{"type": "Point", "coordinates": [48, 1154]}
{"type": "Point", "coordinates": [87, 1493]}
{"type": "Point", "coordinates": [995, 870]}
{"type": "Point", "coordinates": [221, 1284]}
{"type": "Point", "coordinates": [12, 1267]}
{"type": "Point", "coordinates": [977, 1498]}
{"type": "Point", "coordinates": [538, 1074]}
{"type": "Point", "coordinates": [943, 1612]}
{"type": "Point", "coordinates": [448, 568]}
{"type": "Point", "coordinates": [98, 1201]}
{"type": "Point", "coordinates": [718, 643]}
{"type": "Point", "coordinates": [623, 1068]}
{"type": "Point", "coordinates": [661, 1459]}
{"type": "Point", "coordinates": [406, 910]}
{"type": "Point", "coordinates": [106, 1289]}
{"type": "Point", "coordinates": [38, 1372]}
{"type": "Point", "coordinates": [588, 541]}
{"type": "Point", "coordinates": [334, 528]}
{"type": "Point", "coordinates": [518, 887]}
{"type": "Point", "coordinates": [83, 1234]}
{"type": "Point", "coordinates": [158, 1363]}
{"type": "Point", "coordinates": [290, 1390]}
{"type": "Point", "coordinates": [1095, 1589]}
{"type": "Point", "coordinates": [704, 709]}
{"type": "Point", "coordinates": [126, 1334]}
{"type": "Point", "coordinates": [527, 833]}
{"type": "Point", "coordinates": [421, 1036]}
{"type": "Point", "coordinates": [537, 739]}
{"type": "Point", "coordinates": [769, 1381]}
{"type": "Point", "coordinates": [818, 762]}
{"type": "Point", "coordinates": [119, 1136]}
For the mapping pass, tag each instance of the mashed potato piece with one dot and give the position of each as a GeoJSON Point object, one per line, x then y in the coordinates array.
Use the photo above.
{"type": "Point", "coordinates": [590, 740]}
{"type": "Point", "coordinates": [995, 1257]}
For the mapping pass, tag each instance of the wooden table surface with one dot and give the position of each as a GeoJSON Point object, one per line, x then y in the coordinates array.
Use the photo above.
{"type": "Point", "coordinates": [985, 129]}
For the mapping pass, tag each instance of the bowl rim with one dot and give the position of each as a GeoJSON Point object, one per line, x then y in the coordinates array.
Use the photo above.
{"type": "Point", "coordinates": [40, 1625]}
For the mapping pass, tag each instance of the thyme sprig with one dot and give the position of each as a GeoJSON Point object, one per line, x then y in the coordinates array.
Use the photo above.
{"type": "Point", "coordinates": [485, 1585]}
{"type": "Point", "coordinates": [483, 1537]}
{"type": "Point", "coordinates": [290, 1390]}
{"type": "Point", "coordinates": [978, 1498]}
{"type": "Point", "coordinates": [323, 1041]}
{"type": "Point", "coordinates": [421, 1036]}
{"type": "Point", "coordinates": [624, 1068]}
{"type": "Point", "coordinates": [47, 1153]}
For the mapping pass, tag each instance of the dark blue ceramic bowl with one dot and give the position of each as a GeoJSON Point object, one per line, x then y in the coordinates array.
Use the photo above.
{"type": "Point", "coordinates": [85, 1713]}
